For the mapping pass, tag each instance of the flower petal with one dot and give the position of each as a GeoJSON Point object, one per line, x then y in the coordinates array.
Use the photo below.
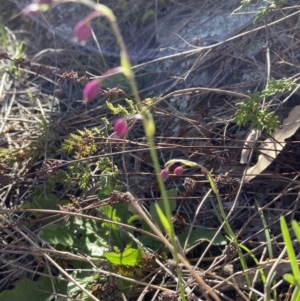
{"type": "Point", "coordinates": [178, 171]}
{"type": "Point", "coordinates": [91, 90]}
{"type": "Point", "coordinates": [120, 127]}
{"type": "Point", "coordinates": [82, 31]}
{"type": "Point", "coordinates": [30, 11]}
{"type": "Point", "coordinates": [164, 174]}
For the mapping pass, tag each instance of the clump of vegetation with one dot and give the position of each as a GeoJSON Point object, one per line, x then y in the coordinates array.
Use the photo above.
{"type": "Point", "coordinates": [252, 110]}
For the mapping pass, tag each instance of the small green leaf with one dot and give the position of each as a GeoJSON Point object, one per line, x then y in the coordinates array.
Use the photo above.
{"type": "Point", "coordinates": [163, 219]}
{"type": "Point", "coordinates": [289, 248]}
{"type": "Point", "coordinates": [106, 185]}
{"type": "Point", "coordinates": [130, 257]}
{"type": "Point", "coordinates": [296, 229]}
{"type": "Point", "coordinates": [48, 201]}
{"type": "Point", "coordinates": [56, 234]}
{"type": "Point", "coordinates": [149, 13]}
{"type": "Point", "coordinates": [40, 290]}
{"type": "Point", "coordinates": [96, 249]}
{"type": "Point", "coordinates": [83, 278]}
{"type": "Point", "coordinates": [122, 212]}
{"type": "Point", "coordinates": [172, 203]}
{"type": "Point", "coordinates": [83, 226]}
{"type": "Point", "coordinates": [111, 213]}
{"type": "Point", "coordinates": [124, 285]}
{"type": "Point", "coordinates": [172, 193]}
{"type": "Point", "coordinates": [289, 278]}
{"type": "Point", "coordinates": [201, 234]}
{"type": "Point", "coordinates": [134, 218]}
{"type": "Point", "coordinates": [148, 240]}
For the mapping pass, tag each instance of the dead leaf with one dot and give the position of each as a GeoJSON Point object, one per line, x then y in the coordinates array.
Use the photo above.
{"type": "Point", "coordinates": [251, 139]}
{"type": "Point", "coordinates": [270, 148]}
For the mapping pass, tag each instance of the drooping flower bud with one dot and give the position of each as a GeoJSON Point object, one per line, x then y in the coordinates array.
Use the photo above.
{"type": "Point", "coordinates": [178, 171]}
{"type": "Point", "coordinates": [82, 31]}
{"type": "Point", "coordinates": [91, 90]}
{"type": "Point", "coordinates": [120, 127]}
{"type": "Point", "coordinates": [164, 173]}
{"type": "Point", "coordinates": [30, 11]}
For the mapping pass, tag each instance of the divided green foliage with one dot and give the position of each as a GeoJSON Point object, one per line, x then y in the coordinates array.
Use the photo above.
{"type": "Point", "coordinates": [82, 144]}
{"type": "Point", "coordinates": [268, 5]}
{"type": "Point", "coordinates": [279, 86]}
{"type": "Point", "coordinates": [128, 110]}
{"type": "Point", "coordinates": [250, 110]}
{"type": "Point", "coordinates": [37, 147]}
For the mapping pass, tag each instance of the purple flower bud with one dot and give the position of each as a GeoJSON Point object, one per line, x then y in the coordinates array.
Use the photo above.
{"type": "Point", "coordinates": [120, 127]}
{"type": "Point", "coordinates": [91, 90]}
{"type": "Point", "coordinates": [178, 171]}
{"type": "Point", "coordinates": [82, 31]}
{"type": "Point", "coordinates": [30, 11]}
{"type": "Point", "coordinates": [164, 174]}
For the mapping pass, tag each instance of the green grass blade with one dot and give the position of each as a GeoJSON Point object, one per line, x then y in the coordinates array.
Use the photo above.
{"type": "Point", "coordinates": [289, 248]}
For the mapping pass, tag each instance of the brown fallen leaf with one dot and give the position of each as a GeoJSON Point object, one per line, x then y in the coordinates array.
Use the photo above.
{"type": "Point", "coordinates": [249, 143]}
{"type": "Point", "coordinates": [270, 148]}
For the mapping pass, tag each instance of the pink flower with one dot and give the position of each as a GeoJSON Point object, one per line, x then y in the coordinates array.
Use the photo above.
{"type": "Point", "coordinates": [120, 127]}
{"type": "Point", "coordinates": [30, 11]}
{"type": "Point", "coordinates": [178, 171]}
{"type": "Point", "coordinates": [164, 173]}
{"type": "Point", "coordinates": [92, 90]}
{"type": "Point", "coordinates": [82, 31]}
